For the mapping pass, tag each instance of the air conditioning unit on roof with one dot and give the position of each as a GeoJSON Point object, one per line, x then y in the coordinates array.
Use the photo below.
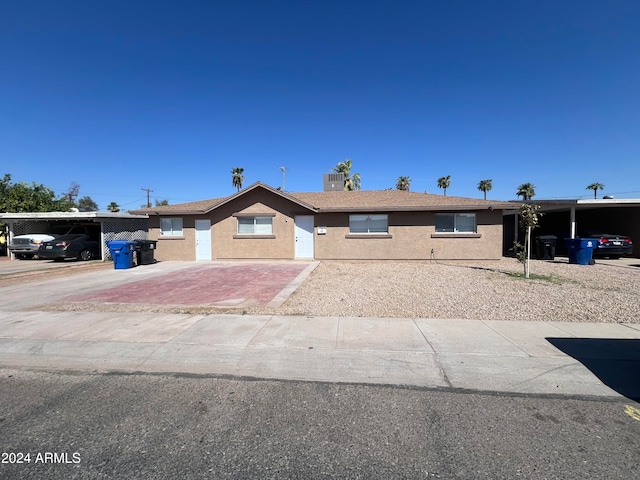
{"type": "Point", "coordinates": [333, 182]}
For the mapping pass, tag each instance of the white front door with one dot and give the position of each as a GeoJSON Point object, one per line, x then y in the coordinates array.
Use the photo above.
{"type": "Point", "coordinates": [304, 236]}
{"type": "Point", "coordinates": [203, 240]}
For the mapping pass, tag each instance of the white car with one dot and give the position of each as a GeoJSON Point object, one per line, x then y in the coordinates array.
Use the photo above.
{"type": "Point", "coordinates": [26, 246]}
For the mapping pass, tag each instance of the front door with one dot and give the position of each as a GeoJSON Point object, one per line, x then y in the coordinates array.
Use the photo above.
{"type": "Point", "coordinates": [203, 240]}
{"type": "Point", "coordinates": [304, 236]}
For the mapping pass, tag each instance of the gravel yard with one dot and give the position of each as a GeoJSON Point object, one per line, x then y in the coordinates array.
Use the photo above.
{"type": "Point", "coordinates": [479, 290]}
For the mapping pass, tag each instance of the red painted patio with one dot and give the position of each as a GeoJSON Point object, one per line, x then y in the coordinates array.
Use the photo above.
{"type": "Point", "coordinates": [222, 285]}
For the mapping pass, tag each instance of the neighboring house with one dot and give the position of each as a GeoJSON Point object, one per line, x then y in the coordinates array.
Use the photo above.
{"type": "Point", "coordinates": [261, 222]}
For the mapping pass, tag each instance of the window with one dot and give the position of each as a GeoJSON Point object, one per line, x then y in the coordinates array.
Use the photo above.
{"type": "Point", "coordinates": [368, 224]}
{"type": "Point", "coordinates": [255, 225]}
{"type": "Point", "coordinates": [456, 222]}
{"type": "Point", "coordinates": [171, 227]}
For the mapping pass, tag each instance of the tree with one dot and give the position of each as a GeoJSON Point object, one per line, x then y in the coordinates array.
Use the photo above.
{"type": "Point", "coordinates": [161, 203]}
{"type": "Point", "coordinates": [21, 197]}
{"type": "Point", "coordinates": [528, 220]}
{"type": "Point", "coordinates": [113, 207]}
{"type": "Point", "coordinates": [595, 187]}
{"type": "Point", "coordinates": [485, 186]}
{"type": "Point", "coordinates": [403, 183]}
{"type": "Point", "coordinates": [527, 191]}
{"type": "Point", "coordinates": [237, 177]}
{"type": "Point", "coordinates": [351, 182]}
{"type": "Point", "coordinates": [444, 183]}
{"type": "Point", "coordinates": [72, 194]}
{"type": "Point", "coordinates": [86, 204]}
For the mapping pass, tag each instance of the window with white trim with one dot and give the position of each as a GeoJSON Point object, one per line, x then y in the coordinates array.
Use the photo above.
{"type": "Point", "coordinates": [255, 225]}
{"type": "Point", "coordinates": [171, 227]}
{"type": "Point", "coordinates": [456, 222]}
{"type": "Point", "coordinates": [368, 224]}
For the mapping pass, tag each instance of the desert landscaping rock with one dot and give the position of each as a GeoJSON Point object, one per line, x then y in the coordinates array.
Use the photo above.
{"type": "Point", "coordinates": [480, 290]}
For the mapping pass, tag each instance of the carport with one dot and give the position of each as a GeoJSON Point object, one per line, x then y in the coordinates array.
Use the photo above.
{"type": "Point", "coordinates": [567, 217]}
{"type": "Point", "coordinates": [108, 225]}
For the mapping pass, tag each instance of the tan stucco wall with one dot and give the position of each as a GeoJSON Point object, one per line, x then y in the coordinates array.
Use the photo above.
{"type": "Point", "coordinates": [227, 244]}
{"type": "Point", "coordinates": [174, 248]}
{"type": "Point", "coordinates": [411, 238]}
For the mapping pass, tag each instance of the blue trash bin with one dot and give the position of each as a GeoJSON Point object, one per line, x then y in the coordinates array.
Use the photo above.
{"type": "Point", "coordinates": [581, 250]}
{"type": "Point", "coordinates": [122, 252]}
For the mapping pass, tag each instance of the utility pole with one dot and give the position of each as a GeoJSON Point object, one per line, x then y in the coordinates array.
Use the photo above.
{"type": "Point", "coordinates": [283, 170]}
{"type": "Point", "coordinates": [148, 190]}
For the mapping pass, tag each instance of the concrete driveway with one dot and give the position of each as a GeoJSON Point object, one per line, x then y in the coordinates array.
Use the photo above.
{"type": "Point", "coordinates": [8, 266]}
{"type": "Point", "coordinates": [224, 284]}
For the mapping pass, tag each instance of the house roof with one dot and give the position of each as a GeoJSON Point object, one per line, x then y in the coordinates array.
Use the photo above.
{"type": "Point", "coordinates": [392, 200]}
{"type": "Point", "coordinates": [356, 201]}
{"type": "Point", "coordinates": [205, 206]}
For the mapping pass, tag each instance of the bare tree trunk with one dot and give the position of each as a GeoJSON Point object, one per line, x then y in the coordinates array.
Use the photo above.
{"type": "Point", "coordinates": [526, 263]}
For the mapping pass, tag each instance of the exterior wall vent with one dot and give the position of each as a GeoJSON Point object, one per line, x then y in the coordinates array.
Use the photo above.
{"type": "Point", "coordinates": [333, 182]}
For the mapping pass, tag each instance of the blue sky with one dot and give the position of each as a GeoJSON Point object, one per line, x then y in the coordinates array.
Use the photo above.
{"type": "Point", "coordinates": [171, 95]}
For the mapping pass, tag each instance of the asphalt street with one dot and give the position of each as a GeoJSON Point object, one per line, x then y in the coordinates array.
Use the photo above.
{"type": "Point", "coordinates": [171, 426]}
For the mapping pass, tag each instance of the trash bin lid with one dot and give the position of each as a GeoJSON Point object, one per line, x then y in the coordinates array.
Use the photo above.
{"type": "Point", "coordinates": [117, 243]}
{"type": "Point", "coordinates": [581, 242]}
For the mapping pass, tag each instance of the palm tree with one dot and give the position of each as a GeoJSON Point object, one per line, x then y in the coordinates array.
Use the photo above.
{"type": "Point", "coordinates": [444, 183]}
{"type": "Point", "coordinates": [595, 187]}
{"type": "Point", "coordinates": [351, 182]}
{"type": "Point", "coordinates": [237, 178]}
{"type": "Point", "coordinates": [526, 191]}
{"type": "Point", "coordinates": [484, 186]}
{"type": "Point", "coordinates": [113, 207]}
{"type": "Point", "coordinates": [403, 183]}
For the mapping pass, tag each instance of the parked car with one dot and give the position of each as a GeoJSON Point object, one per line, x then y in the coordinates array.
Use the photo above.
{"type": "Point", "coordinates": [610, 245]}
{"type": "Point", "coordinates": [27, 246]}
{"type": "Point", "coordinates": [79, 246]}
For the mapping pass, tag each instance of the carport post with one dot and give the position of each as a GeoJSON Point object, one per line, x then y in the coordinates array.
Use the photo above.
{"type": "Point", "coordinates": [573, 222]}
{"type": "Point", "coordinates": [102, 242]}
{"type": "Point", "coordinates": [12, 256]}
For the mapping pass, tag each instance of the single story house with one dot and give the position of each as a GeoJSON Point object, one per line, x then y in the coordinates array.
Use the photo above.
{"type": "Point", "coordinates": [107, 225]}
{"type": "Point", "coordinates": [261, 222]}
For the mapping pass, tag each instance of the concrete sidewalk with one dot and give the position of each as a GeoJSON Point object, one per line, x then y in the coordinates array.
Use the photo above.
{"type": "Point", "coordinates": [516, 357]}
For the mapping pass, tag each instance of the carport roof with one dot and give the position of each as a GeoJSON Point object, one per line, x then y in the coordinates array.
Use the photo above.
{"type": "Point", "coordinates": [68, 215]}
{"type": "Point", "coordinates": [580, 204]}
{"type": "Point", "coordinates": [357, 201]}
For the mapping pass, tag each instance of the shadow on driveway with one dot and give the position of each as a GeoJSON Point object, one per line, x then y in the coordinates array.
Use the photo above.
{"type": "Point", "coordinates": [615, 361]}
